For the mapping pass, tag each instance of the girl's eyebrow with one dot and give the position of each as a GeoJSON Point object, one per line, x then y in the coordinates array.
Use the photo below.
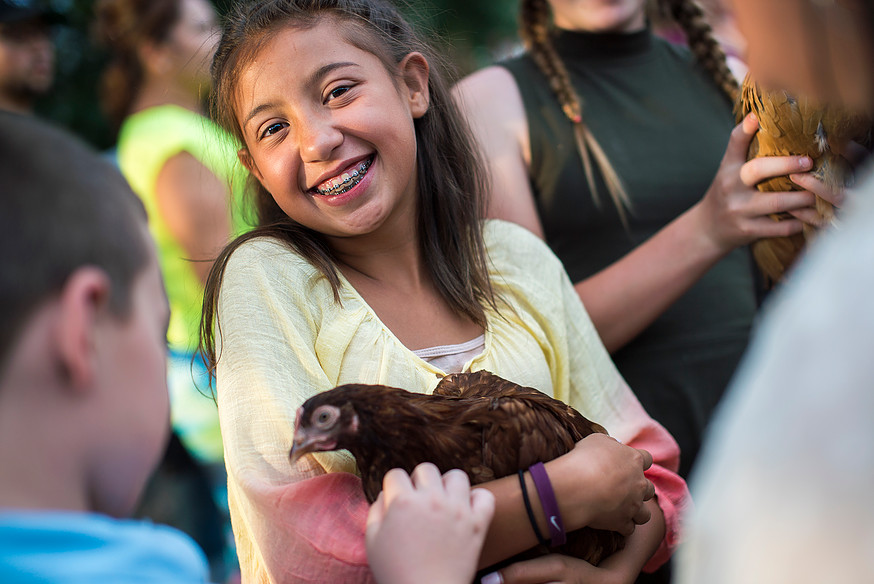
{"type": "Point", "coordinates": [313, 79]}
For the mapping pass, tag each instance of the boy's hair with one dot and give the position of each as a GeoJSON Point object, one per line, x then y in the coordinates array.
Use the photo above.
{"type": "Point", "coordinates": [451, 181]}
{"type": "Point", "coordinates": [62, 207]}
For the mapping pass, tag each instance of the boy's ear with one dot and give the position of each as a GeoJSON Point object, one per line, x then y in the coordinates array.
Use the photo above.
{"type": "Point", "coordinates": [414, 71]}
{"type": "Point", "coordinates": [84, 300]}
{"type": "Point", "coordinates": [248, 162]}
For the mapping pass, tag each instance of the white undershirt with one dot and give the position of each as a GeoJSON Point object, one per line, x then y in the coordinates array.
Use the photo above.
{"type": "Point", "coordinates": [453, 358]}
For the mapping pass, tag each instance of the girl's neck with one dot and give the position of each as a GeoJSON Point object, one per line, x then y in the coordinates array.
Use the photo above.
{"type": "Point", "coordinates": [393, 259]}
{"type": "Point", "coordinates": [155, 93]}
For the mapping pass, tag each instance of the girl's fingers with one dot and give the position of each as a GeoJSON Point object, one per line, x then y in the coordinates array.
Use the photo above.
{"type": "Point", "coordinates": [741, 136]}
{"type": "Point", "coordinates": [647, 458]}
{"type": "Point", "coordinates": [759, 169]}
{"type": "Point", "coordinates": [426, 475]}
{"type": "Point", "coordinates": [376, 513]}
{"type": "Point", "coordinates": [809, 216]}
{"type": "Point", "coordinates": [395, 482]}
{"type": "Point", "coordinates": [779, 202]}
{"type": "Point", "coordinates": [456, 483]}
{"type": "Point", "coordinates": [809, 182]}
{"type": "Point", "coordinates": [482, 503]}
{"type": "Point", "coordinates": [767, 227]}
{"type": "Point", "coordinates": [642, 516]}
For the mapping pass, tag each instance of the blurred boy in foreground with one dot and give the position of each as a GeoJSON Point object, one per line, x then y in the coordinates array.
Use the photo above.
{"type": "Point", "coordinates": [84, 412]}
{"type": "Point", "coordinates": [783, 493]}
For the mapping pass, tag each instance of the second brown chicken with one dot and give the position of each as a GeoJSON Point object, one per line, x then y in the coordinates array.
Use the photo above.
{"type": "Point", "coordinates": [796, 125]}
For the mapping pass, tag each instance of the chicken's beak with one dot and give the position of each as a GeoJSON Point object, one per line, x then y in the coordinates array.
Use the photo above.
{"type": "Point", "coordinates": [303, 444]}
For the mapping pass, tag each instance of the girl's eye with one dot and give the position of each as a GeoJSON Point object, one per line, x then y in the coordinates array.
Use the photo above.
{"type": "Point", "coordinates": [337, 92]}
{"type": "Point", "coordinates": [272, 129]}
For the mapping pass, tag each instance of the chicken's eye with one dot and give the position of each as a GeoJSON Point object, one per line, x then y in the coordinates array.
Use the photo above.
{"type": "Point", "coordinates": [325, 417]}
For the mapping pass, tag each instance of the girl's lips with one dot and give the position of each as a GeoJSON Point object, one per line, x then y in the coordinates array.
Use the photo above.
{"type": "Point", "coordinates": [345, 181]}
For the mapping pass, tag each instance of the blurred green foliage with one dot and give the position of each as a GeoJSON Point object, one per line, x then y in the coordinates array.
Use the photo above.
{"type": "Point", "coordinates": [474, 33]}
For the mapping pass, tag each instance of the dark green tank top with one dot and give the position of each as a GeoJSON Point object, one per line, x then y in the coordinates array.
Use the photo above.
{"type": "Point", "coordinates": [664, 126]}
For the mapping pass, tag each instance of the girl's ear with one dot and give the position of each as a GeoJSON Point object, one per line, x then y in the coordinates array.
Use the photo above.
{"type": "Point", "coordinates": [414, 71]}
{"type": "Point", "coordinates": [247, 161]}
{"type": "Point", "coordinates": [84, 302]}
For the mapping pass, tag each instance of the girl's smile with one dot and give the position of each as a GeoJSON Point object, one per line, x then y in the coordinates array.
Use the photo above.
{"type": "Point", "coordinates": [346, 181]}
{"type": "Point", "coordinates": [329, 130]}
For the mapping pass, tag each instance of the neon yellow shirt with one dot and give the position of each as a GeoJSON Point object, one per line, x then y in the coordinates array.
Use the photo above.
{"type": "Point", "coordinates": [146, 141]}
{"type": "Point", "coordinates": [283, 338]}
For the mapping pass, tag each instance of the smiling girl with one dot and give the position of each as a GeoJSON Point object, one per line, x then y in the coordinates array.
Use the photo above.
{"type": "Point", "coordinates": [372, 265]}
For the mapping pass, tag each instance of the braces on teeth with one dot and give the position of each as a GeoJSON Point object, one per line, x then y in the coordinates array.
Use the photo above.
{"type": "Point", "coordinates": [348, 180]}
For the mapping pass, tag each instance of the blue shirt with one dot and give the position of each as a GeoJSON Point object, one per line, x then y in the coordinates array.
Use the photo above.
{"type": "Point", "coordinates": [72, 547]}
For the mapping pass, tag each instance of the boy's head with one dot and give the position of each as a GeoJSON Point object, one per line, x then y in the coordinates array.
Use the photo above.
{"type": "Point", "coordinates": [820, 48]}
{"type": "Point", "coordinates": [83, 315]}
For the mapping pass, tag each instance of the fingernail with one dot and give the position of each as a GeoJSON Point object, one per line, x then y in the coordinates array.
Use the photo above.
{"type": "Point", "coordinates": [493, 578]}
{"type": "Point", "coordinates": [754, 118]}
{"type": "Point", "coordinates": [804, 162]}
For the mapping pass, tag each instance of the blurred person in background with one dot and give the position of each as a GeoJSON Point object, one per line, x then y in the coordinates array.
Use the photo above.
{"type": "Point", "coordinates": [185, 170]}
{"type": "Point", "coordinates": [27, 55]}
{"type": "Point", "coordinates": [783, 487]}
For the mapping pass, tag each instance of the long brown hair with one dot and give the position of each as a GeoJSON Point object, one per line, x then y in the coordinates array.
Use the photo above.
{"type": "Point", "coordinates": [536, 29]}
{"type": "Point", "coordinates": [123, 26]}
{"type": "Point", "coordinates": [450, 177]}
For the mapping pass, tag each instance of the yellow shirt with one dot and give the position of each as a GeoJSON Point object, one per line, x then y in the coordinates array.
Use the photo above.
{"type": "Point", "coordinates": [283, 338]}
{"type": "Point", "coordinates": [146, 141]}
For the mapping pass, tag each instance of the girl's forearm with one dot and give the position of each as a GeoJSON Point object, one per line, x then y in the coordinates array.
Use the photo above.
{"type": "Point", "coordinates": [627, 296]}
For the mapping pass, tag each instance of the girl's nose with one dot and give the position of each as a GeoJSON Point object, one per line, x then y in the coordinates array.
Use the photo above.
{"type": "Point", "coordinates": [319, 137]}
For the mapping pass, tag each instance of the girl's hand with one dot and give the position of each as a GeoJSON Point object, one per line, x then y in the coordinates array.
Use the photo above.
{"type": "Point", "coordinates": [427, 528]}
{"type": "Point", "coordinates": [811, 183]}
{"type": "Point", "coordinates": [733, 212]}
{"type": "Point", "coordinates": [558, 569]}
{"type": "Point", "coordinates": [615, 487]}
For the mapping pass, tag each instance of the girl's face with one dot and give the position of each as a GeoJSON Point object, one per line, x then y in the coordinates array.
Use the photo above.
{"type": "Point", "coordinates": [329, 131]}
{"type": "Point", "coordinates": [192, 42]}
{"type": "Point", "coordinates": [599, 15]}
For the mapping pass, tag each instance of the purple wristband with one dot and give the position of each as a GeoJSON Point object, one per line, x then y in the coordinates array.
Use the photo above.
{"type": "Point", "coordinates": [549, 504]}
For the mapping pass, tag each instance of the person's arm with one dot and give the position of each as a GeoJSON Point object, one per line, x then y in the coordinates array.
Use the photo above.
{"type": "Point", "coordinates": [627, 296]}
{"type": "Point", "coordinates": [600, 483]}
{"type": "Point", "coordinates": [194, 204]}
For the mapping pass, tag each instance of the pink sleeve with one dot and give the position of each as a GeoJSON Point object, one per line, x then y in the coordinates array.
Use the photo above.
{"type": "Point", "coordinates": [670, 490]}
{"type": "Point", "coordinates": [311, 530]}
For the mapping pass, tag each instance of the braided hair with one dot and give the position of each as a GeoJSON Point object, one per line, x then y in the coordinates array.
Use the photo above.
{"type": "Point", "coordinates": [535, 30]}
{"type": "Point", "coordinates": [689, 15]}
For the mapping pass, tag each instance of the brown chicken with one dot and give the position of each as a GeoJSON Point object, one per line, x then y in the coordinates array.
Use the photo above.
{"type": "Point", "coordinates": [478, 422]}
{"type": "Point", "coordinates": [797, 126]}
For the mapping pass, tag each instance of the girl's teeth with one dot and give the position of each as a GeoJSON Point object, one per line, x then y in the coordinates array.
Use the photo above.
{"type": "Point", "coordinates": [345, 181]}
